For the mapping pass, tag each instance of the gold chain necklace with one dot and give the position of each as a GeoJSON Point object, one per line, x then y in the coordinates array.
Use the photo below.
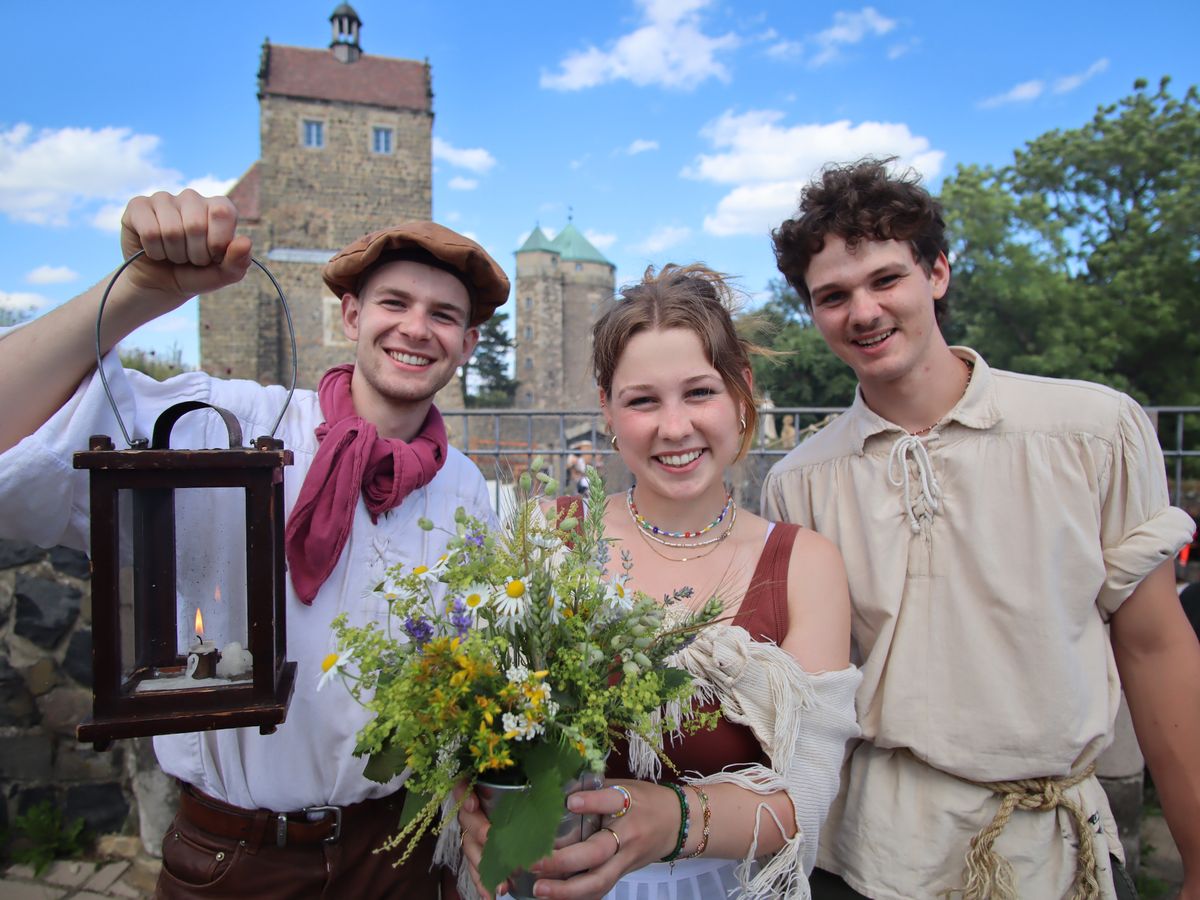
{"type": "Point", "coordinates": [970, 374]}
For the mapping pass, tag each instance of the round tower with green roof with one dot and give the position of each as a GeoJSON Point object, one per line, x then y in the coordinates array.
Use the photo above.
{"type": "Point", "coordinates": [562, 287]}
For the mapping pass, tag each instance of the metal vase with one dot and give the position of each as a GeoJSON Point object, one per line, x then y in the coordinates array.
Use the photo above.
{"type": "Point", "coordinates": [572, 827]}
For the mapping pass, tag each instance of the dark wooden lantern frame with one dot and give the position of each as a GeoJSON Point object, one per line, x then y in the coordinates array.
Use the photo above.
{"type": "Point", "coordinates": [152, 475]}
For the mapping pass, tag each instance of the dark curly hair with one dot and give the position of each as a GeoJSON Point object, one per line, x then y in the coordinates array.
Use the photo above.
{"type": "Point", "coordinates": [861, 201]}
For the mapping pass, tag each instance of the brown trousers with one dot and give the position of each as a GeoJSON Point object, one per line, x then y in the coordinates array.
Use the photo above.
{"type": "Point", "coordinates": [198, 864]}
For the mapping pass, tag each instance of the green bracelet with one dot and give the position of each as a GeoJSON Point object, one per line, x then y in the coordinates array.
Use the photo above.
{"type": "Point", "coordinates": [683, 824]}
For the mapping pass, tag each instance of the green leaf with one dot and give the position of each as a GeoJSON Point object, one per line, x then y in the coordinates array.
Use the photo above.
{"type": "Point", "coordinates": [524, 822]}
{"type": "Point", "coordinates": [385, 765]}
{"type": "Point", "coordinates": [413, 804]}
{"type": "Point", "coordinates": [674, 678]}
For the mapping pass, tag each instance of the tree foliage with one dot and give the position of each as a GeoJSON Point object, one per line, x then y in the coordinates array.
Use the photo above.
{"type": "Point", "coordinates": [486, 374]}
{"type": "Point", "coordinates": [1081, 258]}
{"type": "Point", "coordinates": [806, 373]}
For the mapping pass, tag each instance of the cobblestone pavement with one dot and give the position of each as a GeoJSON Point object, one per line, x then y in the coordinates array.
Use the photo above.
{"type": "Point", "coordinates": [121, 870]}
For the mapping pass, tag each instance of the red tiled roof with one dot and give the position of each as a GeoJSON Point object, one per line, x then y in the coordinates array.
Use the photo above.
{"type": "Point", "coordinates": [316, 74]}
{"type": "Point", "coordinates": [244, 194]}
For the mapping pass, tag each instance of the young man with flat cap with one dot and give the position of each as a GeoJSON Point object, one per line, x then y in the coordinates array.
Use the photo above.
{"type": "Point", "coordinates": [1009, 542]}
{"type": "Point", "coordinates": [257, 813]}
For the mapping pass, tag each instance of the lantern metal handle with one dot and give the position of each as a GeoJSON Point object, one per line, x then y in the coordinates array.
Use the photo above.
{"type": "Point", "coordinates": [172, 414]}
{"type": "Point", "coordinates": [141, 443]}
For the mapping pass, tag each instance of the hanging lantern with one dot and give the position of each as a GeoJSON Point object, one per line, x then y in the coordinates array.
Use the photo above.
{"type": "Point", "coordinates": [188, 634]}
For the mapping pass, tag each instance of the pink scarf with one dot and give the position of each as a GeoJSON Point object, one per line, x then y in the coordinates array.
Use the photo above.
{"type": "Point", "coordinates": [352, 458]}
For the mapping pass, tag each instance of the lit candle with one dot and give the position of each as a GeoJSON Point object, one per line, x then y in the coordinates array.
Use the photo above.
{"type": "Point", "coordinates": [202, 654]}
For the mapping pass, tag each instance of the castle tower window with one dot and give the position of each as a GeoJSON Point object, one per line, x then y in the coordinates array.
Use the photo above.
{"type": "Point", "coordinates": [528, 332]}
{"type": "Point", "coordinates": [529, 303]}
{"type": "Point", "coordinates": [529, 362]}
{"type": "Point", "coordinates": [381, 140]}
{"type": "Point", "coordinates": [314, 134]}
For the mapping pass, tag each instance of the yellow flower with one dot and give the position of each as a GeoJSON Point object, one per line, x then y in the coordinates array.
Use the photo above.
{"type": "Point", "coordinates": [515, 589]}
{"type": "Point", "coordinates": [420, 570]}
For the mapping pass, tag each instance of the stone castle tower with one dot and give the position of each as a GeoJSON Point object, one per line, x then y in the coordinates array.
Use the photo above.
{"type": "Point", "coordinates": [562, 288]}
{"type": "Point", "coordinates": [345, 149]}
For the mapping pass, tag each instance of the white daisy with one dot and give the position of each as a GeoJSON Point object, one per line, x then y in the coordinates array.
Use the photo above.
{"type": "Point", "coordinates": [331, 665]}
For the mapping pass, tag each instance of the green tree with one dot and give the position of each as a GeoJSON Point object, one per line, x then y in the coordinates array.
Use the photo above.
{"type": "Point", "coordinates": [806, 373]}
{"type": "Point", "coordinates": [159, 366]}
{"type": "Point", "coordinates": [485, 375]}
{"type": "Point", "coordinates": [1081, 258]}
{"type": "Point", "coordinates": [9, 316]}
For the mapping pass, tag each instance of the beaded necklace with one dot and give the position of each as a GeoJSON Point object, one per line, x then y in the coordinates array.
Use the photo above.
{"type": "Point", "coordinates": [654, 529]}
{"type": "Point", "coordinates": [682, 546]}
{"type": "Point", "coordinates": [716, 543]}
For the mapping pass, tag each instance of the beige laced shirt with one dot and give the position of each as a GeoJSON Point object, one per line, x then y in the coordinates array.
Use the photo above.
{"type": "Point", "coordinates": [985, 559]}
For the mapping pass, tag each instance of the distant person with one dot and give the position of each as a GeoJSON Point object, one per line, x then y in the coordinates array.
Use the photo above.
{"type": "Point", "coordinates": [577, 466]}
{"type": "Point", "coordinates": [1009, 543]}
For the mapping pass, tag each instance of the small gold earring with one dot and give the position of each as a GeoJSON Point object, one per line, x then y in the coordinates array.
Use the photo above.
{"type": "Point", "coordinates": [613, 440]}
{"type": "Point", "coordinates": [742, 423]}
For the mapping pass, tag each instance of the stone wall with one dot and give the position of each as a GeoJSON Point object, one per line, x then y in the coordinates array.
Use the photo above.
{"type": "Point", "coordinates": [45, 691]}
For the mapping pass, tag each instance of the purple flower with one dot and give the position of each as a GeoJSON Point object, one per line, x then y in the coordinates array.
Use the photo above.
{"type": "Point", "coordinates": [460, 617]}
{"type": "Point", "coordinates": [418, 630]}
{"type": "Point", "coordinates": [475, 538]}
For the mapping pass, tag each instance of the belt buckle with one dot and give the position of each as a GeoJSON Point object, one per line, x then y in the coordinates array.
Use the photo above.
{"type": "Point", "coordinates": [336, 834]}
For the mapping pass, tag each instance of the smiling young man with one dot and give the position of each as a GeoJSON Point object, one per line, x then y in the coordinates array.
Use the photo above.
{"type": "Point", "coordinates": [256, 813]}
{"type": "Point", "coordinates": [1009, 544]}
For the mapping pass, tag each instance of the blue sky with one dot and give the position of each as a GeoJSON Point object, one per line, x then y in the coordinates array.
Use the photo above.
{"type": "Point", "coordinates": [673, 130]}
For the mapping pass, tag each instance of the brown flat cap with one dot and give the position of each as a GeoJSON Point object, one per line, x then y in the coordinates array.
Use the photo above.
{"type": "Point", "coordinates": [485, 280]}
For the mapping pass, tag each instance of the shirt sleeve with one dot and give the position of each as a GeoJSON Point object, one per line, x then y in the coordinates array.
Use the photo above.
{"type": "Point", "coordinates": [1139, 529]}
{"type": "Point", "coordinates": [43, 497]}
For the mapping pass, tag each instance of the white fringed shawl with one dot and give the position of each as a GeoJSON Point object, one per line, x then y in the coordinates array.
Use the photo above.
{"type": "Point", "coordinates": [802, 721]}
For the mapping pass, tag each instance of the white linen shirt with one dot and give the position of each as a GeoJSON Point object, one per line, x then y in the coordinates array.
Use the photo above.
{"type": "Point", "coordinates": [309, 759]}
{"type": "Point", "coordinates": [984, 561]}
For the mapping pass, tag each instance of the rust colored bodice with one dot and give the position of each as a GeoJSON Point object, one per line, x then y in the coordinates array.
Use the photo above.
{"type": "Point", "coordinates": [764, 614]}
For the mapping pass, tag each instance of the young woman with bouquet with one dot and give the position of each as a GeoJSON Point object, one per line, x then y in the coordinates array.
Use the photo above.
{"type": "Point", "coordinates": [738, 807]}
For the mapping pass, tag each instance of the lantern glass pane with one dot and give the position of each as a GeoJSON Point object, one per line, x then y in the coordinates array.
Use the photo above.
{"type": "Point", "coordinates": [210, 566]}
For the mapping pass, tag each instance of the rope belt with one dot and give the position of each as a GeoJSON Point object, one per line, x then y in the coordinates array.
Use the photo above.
{"type": "Point", "coordinates": [989, 875]}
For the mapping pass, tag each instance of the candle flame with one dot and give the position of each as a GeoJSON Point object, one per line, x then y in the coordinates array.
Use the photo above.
{"type": "Point", "coordinates": [199, 624]}
{"type": "Point", "coordinates": [217, 594]}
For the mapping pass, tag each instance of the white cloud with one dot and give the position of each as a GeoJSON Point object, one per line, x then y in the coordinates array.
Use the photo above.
{"type": "Point", "coordinates": [663, 239]}
{"type": "Point", "coordinates": [21, 302]}
{"type": "Point", "coordinates": [458, 183]}
{"type": "Point", "coordinates": [1069, 83]}
{"type": "Point", "coordinates": [848, 28]}
{"type": "Point", "coordinates": [785, 49]}
{"type": "Point", "coordinates": [768, 162]}
{"type": "Point", "coordinates": [52, 176]}
{"type": "Point", "coordinates": [1024, 92]}
{"type": "Point", "coordinates": [108, 216]}
{"type": "Point", "coordinates": [51, 275]}
{"type": "Point", "coordinates": [902, 49]}
{"type": "Point", "coordinates": [474, 159]}
{"type": "Point", "coordinates": [641, 145]}
{"type": "Point", "coordinates": [601, 240]}
{"type": "Point", "coordinates": [669, 50]}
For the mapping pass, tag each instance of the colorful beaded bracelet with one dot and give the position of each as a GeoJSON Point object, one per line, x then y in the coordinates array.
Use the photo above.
{"type": "Point", "coordinates": [706, 815]}
{"type": "Point", "coordinates": [683, 824]}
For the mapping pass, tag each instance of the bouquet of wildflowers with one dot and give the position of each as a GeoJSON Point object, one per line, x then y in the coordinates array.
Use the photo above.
{"type": "Point", "coordinates": [533, 663]}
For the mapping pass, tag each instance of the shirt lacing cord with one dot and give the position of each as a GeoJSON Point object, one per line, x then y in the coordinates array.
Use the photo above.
{"type": "Point", "coordinates": [909, 446]}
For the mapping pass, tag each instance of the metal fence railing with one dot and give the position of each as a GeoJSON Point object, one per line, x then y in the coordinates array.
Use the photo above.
{"type": "Point", "coordinates": [503, 441]}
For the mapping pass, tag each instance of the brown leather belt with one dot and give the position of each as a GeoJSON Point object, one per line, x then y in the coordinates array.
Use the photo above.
{"type": "Point", "coordinates": [312, 825]}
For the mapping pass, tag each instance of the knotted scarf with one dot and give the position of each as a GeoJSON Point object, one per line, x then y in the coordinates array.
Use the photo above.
{"type": "Point", "coordinates": [352, 458]}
